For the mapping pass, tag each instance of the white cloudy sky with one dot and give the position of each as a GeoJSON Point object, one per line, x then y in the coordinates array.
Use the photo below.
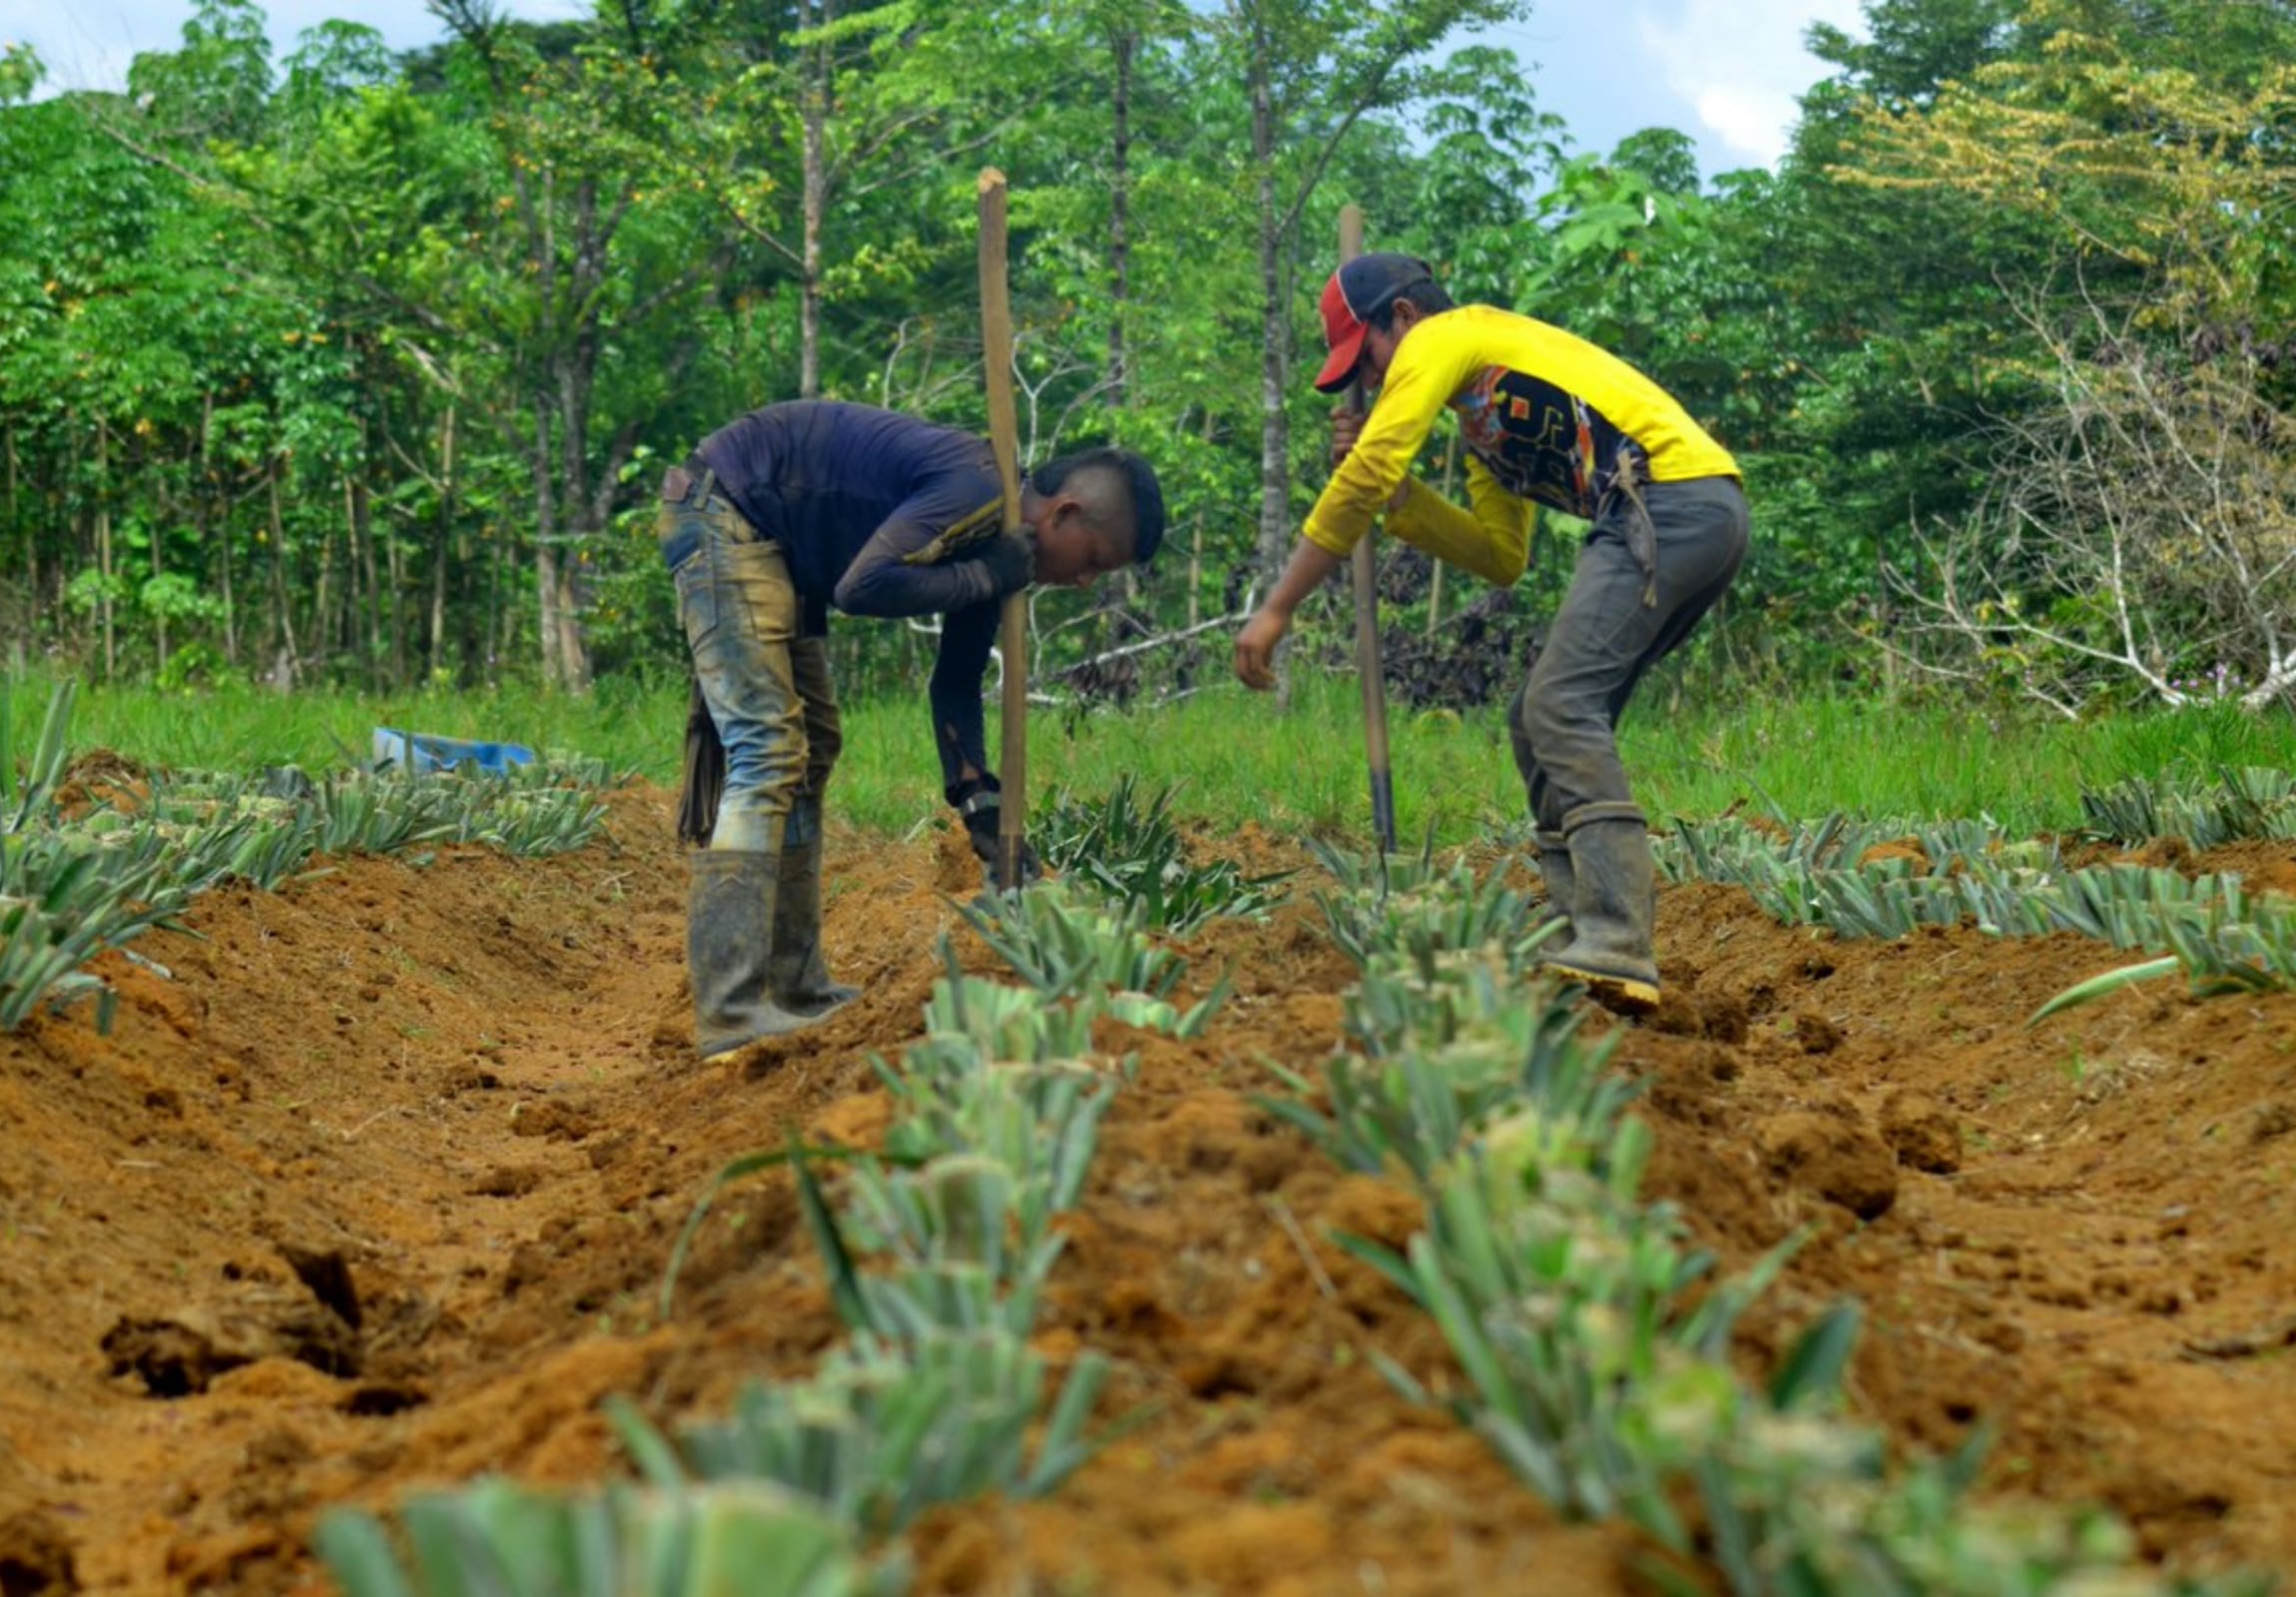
{"type": "Point", "coordinates": [1724, 71]}
{"type": "Point", "coordinates": [87, 44]}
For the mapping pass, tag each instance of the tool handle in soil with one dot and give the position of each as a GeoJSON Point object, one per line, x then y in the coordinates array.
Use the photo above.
{"type": "Point", "coordinates": [1004, 438]}
{"type": "Point", "coordinates": [1366, 574]}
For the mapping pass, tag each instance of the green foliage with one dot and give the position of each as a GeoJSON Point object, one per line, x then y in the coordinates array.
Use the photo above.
{"type": "Point", "coordinates": [502, 1538]}
{"type": "Point", "coordinates": [881, 1432]}
{"type": "Point", "coordinates": [1592, 1339]}
{"type": "Point", "coordinates": [21, 72]}
{"type": "Point", "coordinates": [2222, 938]}
{"type": "Point", "coordinates": [2222, 944]}
{"type": "Point", "coordinates": [1489, 148]}
{"type": "Point", "coordinates": [73, 885]}
{"type": "Point", "coordinates": [65, 898]}
{"type": "Point", "coordinates": [497, 286]}
{"type": "Point", "coordinates": [937, 1252]}
{"type": "Point", "coordinates": [2251, 802]}
{"type": "Point", "coordinates": [2141, 151]}
{"type": "Point", "coordinates": [1699, 753]}
{"type": "Point", "coordinates": [1133, 853]}
{"type": "Point", "coordinates": [44, 940]}
{"type": "Point", "coordinates": [29, 775]}
{"type": "Point", "coordinates": [1098, 955]}
{"type": "Point", "coordinates": [1412, 912]}
{"type": "Point", "coordinates": [1440, 1067]}
{"type": "Point", "coordinates": [626, 728]}
{"type": "Point", "coordinates": [409, 436]}
{"type": "Point", "coordinates": [1010, 1087]}
{"type": "Point", "coordinates": [975, 1017]}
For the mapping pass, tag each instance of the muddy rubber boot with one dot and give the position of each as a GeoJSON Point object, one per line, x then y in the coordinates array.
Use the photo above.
{"type": "Point", "coordinates": [1555, 868]}
{"type": "Point", "coordinates": [729, 950]}
{"type": "Point", "coordinates": [801, 976]}
{"type": "Point", "coordinates": [1615, 902]}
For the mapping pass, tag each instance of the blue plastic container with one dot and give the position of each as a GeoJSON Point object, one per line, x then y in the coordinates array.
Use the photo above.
{"type": "Point", "coordinates": [420, 752]}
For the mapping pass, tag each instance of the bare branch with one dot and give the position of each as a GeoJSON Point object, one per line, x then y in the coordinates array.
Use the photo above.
{"type": "Point", "coordinates": [2138, 532]}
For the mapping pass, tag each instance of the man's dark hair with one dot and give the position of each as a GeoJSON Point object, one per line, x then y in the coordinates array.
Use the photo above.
{"type": "Point", "coordinates": [1143, 493]}
{"type": "Point", "coordinates": [1429, 295]}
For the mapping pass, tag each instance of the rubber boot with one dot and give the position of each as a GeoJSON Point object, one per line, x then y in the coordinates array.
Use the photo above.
{"type": "Point", "coordinates": [1555, 868]}
{"type": "Point", "coordinates": [1615, 901]}
{"type": "Point", "coordinates": [729, 948]}
{"type": "Point", "coordinates": [801, 976]}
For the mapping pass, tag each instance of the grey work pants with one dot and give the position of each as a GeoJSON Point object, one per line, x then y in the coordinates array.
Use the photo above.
{"type": "Point", "coordinates": [1604, 636]}
{"type": "Point", "coordinates": [766, 685]}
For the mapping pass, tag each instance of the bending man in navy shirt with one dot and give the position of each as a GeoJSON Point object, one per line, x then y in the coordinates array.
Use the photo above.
{"type": "Point", "coordinates": [792, 510]}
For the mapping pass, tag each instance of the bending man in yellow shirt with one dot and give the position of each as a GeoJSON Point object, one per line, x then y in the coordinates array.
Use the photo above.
{"type": "Point", "coordinates": [1547, 419]}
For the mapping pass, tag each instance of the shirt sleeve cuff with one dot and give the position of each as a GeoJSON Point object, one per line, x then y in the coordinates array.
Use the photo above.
{"type": "Point", "coordinates": [1330, 533]}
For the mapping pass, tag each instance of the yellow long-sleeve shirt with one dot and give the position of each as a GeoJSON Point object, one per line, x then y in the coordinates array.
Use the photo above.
{"type": "Point", "coordinates": [1548, 419]}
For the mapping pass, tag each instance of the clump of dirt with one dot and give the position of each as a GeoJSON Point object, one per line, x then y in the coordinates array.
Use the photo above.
{"type": "Point", "coordinates": [182, 1352]}
{"type": "Point", "coordinates": [1922, 1131]}
{"type": "Point", "coordinates": [2262, 866]}
{"type": "Point", "coordinates": [36, 1559]}
{"type": "Point", "coordinates": [1907, 849]}
{"type": "Point", "coordinates": [103, 779]}
{"type": "Point", "coordinates": [2073, 1202]}
{"type": "Point", "coordinates": [1840, 1159]}
{"type": "Point", "coordinates": [375, 1192]}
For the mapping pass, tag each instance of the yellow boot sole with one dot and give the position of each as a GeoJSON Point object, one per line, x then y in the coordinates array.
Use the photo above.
{"type": "Point", "coordinates": [1622, 995]}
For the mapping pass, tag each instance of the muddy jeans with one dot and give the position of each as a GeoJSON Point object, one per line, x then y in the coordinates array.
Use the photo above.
{"type": "Point", "coordinates": [1604, 636]}
{"type": "Point", "coordinates": [766, 683]}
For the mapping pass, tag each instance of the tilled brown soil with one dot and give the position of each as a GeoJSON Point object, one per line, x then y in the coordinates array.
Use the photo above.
{"type": "Point", "coordinates": [373, 1189]}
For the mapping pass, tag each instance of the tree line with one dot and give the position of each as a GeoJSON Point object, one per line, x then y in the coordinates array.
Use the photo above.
{"type": "Point", "coordinates": [348, 367]}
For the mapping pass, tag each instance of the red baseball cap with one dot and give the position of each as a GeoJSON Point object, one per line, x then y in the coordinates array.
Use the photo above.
{"type": "Point", "coordinates": [1357, 291]}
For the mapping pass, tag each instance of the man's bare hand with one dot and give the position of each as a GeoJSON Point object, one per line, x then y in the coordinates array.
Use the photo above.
{"type": "Point", "coordinates": [1256, 648]}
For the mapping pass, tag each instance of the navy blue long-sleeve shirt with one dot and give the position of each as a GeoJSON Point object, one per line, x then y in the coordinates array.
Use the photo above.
{"type": "Point", "coordinates": [879, 514]}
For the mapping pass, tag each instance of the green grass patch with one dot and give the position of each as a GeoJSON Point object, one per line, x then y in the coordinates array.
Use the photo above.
{"type": "Point", "coordinates": [630, 725]}
{"type": "Point", "coordinates": [1234, 757]}
{"type": "Point", "coordinates": [1814, 756]}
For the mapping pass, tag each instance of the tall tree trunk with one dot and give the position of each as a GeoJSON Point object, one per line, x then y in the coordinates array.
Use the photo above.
{"type": "Point", "coordinates": [547, 336]}
{"type": "Point", "coordinates": [83, 540]}
{"type": "Point", "coordinates": [1196, 571]}
{"type": "Point", "coordinates": [1196, 538]}
{"type": "Point", "coordinates": [231, 619]}
{"type": "Point", "coordinates": [159, 568]}
{"type": "Point", "coordinates": [545, 545]}
{"type": "Point", "coordinates": [1275, 437]}
{"type": "Point", "coordinates": [209, 521]}
{"type": "Point", "coordinates": [76, 554]}
{"type": "Point", "coordinates": [1450, 491]}
{"type": "Point", "coordinates": [104, 542]}
{"type": "Point", "coordinates": [1886, 624]}
{"type": "Point", "coordinates": [282, 613]}
{"type": "Point", "coordinates": [1119, 220]}
{"type": "Point", "coordinates": [394, 579]}
{"type": "Point", "coordinates": [815, 92]}
{"type": "Point", "coordinates": [31, 545]}
{"type": "Point", "coordinates": [390, 618]}
{"type": "Point", "coordinates": [573, 647]}
{"type": "Point", "coordinates": [326, 623]}
{"type": "Point", "coordinates": [323, 633]}
{"type": "Point", "coordinates": [493, 641]}
{"type": "Point", "coordinates": [365, 599]}
{"type": "Point", "coordinates": [433, 660]}
{"type": "Point", "coordinates": [502, 615]}
{"type": "Point", "coordinates": [477, 569]}
{"type": "Point", "coordinates": [575, 507]}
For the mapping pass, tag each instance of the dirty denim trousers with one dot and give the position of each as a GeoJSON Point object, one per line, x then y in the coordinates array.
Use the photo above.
{"type": "Point", "coordinates": [1605, 638]}
{"type": "Point", "coordinates": [766, 686]}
